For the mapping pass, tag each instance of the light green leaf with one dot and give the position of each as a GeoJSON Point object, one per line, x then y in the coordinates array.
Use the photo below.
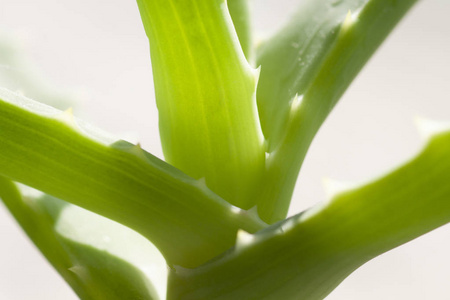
{"type": "Point", "coordinates": [308, 255]}
{"type": "Point", "coordinates": [45, 150]}
{"type": "Point", "coordinates": [305, 69]}
{"type": "Point", "coordinates": [93, 273]}
{"type": "Point", "coordinates": [205, 93]}
{"type": "Point", "coordinates": [240, 14]}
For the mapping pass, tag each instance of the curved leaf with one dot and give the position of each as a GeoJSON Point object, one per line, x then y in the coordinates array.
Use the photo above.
{"type": "Point", "coordinates": [205, 93]}
{"type": "Point", "coordinates": [240, 14]}
{"type": "Point", "coordinates": [91, 272]}
{"type": "Point", "coordinates": [43, 149]}
{"type": "Point", "coordinates": [305, 69]}
{"type": "Point", "coordinates": [308, 255]}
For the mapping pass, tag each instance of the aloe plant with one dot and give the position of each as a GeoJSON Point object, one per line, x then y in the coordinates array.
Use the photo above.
{"type": "Point", "coordinates": [236, 121]}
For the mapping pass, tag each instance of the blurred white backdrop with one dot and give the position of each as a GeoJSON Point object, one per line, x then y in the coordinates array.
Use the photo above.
{"type": "Point", "coordinates": [98, 51]}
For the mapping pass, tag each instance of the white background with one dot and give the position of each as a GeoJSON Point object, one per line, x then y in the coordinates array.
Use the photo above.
{"type": "Point", "coordinates": [98, 50]}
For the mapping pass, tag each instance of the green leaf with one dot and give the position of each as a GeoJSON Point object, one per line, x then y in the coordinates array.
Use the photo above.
{"type": "Point", "coordinates": [93, 273]}
{"type": "Point", "coordinates": [308, 255]}
{"type": "Point", "coordinates": [240, 14]}
{"type": "Point", "coordinates": [105, 276]}
{"type": "Point", "coordinates": [305, 69]}
{"type": "Point", "coordinates": [47, 150]}
{"type": "Point", "coordinates": [205, 93]}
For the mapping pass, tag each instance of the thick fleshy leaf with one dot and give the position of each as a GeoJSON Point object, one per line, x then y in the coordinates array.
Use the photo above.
{"type": "Point", "coordinates": [92, 272]}
{"type": "Point", "coordinates": [308, 255]}
{"type": "Point", "coordinates": [305, 69]}
{"type": "Point", "coordinates": [205, 93]}
{"type": "Point", "coordinates": [240, 14]}
{"type": "Point", "coordinates": [47, 150]}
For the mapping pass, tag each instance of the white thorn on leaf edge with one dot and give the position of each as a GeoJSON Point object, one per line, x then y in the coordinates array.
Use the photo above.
{"type": "Point", "coordinates": [201, 182]}
{"type": "Point", "coordinates": [243, 239]}
{"type": "Point", "coordinates": [67, 118]}
{"type": "Point", "coordinates": [80, 271]}
{"type": "Point", "coordinates": [428, 128]}
{"type": "Point", "coordinates": [333, 187]}
{"type": "Point", "coordinates": [235, 209]}
{"type": "Point", "coordinates": [138, 151]}
{"type": "Point", "coordinates": [256, 73]}
{"type": "Point", "coordinates": [295, 105]}
{"type": "Point", "coordinates": [296, 102]}
{"type": "Point", "coordinates": [253, 211]}
{"type": "Point", "coordinates": [180, 270]}
{"type": "Point", "coordinates": [289, 224]}
{"type": "Point", "coordinates": [349, 20]}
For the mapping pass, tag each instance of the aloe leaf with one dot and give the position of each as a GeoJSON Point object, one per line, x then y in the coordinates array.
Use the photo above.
{"type": "Point", "coordinates": [205, 94]}
{"type": "Point", "coordinates": [107, 277]}
{"type": "Point", "coordinates": [305, 69]}
{"type": "Point", "coordinates": [240, 14]}
{"type": "Point", "coordinates": [43, 149]}
{"type": "Point", "coordinates": [308, 255]}
{"type": "Point", "coordinates": [93, 273]}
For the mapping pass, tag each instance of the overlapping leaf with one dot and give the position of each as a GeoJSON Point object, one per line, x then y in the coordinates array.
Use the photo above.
{"type": "Point", "coordinates": [305, 69]}
{"type": "Point", "coordinates": [93, 272]}
{"type": "Point", "coordinates": [205, 93]}
{"type": "Point", "coordinates": [308, 255]}
{"type": "Point", "coordinates": [240, 14]}
{"type": "Point", "coordinates": [186, 221]}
